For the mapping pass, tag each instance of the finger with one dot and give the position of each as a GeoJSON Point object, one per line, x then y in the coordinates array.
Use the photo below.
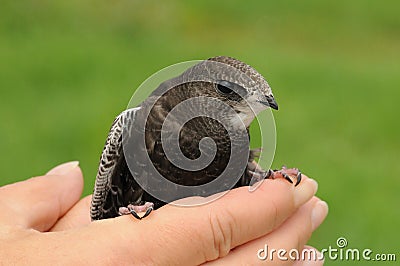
{"type": "Point", "coordinates": [40, 201]}
{"type": "Point", "coordinates": [290, 237]}
{"type": "Point", "coordinates": [296, 231]}
{"type": "Point", "coordinates": [77, 216]}
{"type": "Point", "coordinates": [199, 234]}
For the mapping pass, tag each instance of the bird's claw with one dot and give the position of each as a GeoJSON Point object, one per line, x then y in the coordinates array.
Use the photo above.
{"type": "Point", "coordinates": [261, 174]}
{"type": "Point", "coordinates": [148, 211]}
{"type": "Point", "coordinates": [287, 177]}
{"type": "Point", "coordinates": [147, 207]}
{"type": "Point", "coordinates": [298, 177]}
{"type": "Point", "coordinates": [287, 174]}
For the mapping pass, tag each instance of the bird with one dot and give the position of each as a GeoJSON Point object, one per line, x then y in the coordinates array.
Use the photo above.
{"type": "Point", "coordinates": [189, 132]}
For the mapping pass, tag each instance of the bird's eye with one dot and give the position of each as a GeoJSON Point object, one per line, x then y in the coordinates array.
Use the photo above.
{"type": "Point", "coordinates": [224, 87]}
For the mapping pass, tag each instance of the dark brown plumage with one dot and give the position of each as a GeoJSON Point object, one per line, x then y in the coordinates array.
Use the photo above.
{"type": "Point", "coordinates": [236, 84]}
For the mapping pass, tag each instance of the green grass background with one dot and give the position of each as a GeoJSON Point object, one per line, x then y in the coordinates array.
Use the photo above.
{"type": "Point", "coordinates": [68, 67]}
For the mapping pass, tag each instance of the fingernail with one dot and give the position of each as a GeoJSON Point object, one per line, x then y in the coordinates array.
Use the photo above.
{"type": "Point", "coordinates": [305, 192]}
{"type": "Point", "coordinates": [64, 168]}
{"type": "Point", "coordinates": [318, 214]}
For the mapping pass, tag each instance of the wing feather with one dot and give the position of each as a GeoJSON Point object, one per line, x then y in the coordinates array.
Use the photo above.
{"type": "Point", "coordinates": [111, 159]}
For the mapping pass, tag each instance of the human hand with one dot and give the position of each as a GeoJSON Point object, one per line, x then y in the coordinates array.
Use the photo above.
{"type": "Point", "coordinates": [42, 221]}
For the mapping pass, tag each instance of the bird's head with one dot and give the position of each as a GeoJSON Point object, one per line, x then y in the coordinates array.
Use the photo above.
{"type": "Point", "coordinates": [223, 78]}
{"type": "Point", "coordinates": [237, 84]}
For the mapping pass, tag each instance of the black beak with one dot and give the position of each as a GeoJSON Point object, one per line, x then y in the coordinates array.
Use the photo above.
{"type": "Point", "coordinates": [270, 102]}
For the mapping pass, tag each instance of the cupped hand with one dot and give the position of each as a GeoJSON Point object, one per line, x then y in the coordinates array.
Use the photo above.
{"type": "Point", "coordinates": [43, 221]}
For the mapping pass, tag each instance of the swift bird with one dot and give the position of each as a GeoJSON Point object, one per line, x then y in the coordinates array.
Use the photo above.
{"type": "Point", "coordinates": [242, 92]}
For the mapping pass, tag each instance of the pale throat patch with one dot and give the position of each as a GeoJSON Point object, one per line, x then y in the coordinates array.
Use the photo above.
{"type": "Point", "coordinates": [246, 114]}
{"type": "Point", "coordinates": [244, 118]}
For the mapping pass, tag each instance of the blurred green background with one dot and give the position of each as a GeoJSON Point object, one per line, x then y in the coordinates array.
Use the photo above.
{"type": "Point", "coordinates": [67, 68]}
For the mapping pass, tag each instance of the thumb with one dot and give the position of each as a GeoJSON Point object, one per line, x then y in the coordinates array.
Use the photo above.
{"type": "Point", "coordinates": [63, 169]}
{"type": "Point", "coordinates": [39, 202]}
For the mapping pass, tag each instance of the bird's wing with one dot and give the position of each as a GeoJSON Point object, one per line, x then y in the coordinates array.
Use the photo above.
{"type": "Point", "coordinates": [108, 191]}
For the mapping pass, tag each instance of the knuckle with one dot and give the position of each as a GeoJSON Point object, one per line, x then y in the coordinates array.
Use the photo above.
{"type": "Point", "coordinates": [222, 224]}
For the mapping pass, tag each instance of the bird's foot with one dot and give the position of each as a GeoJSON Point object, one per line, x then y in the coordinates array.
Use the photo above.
{"type": "Point", "coordinates": [288, 174]}
{"type": "Point", "coordinates": [255, 172]}
{"type": "Point", "coordinates": [147, 207]}
{"type": "Point", "coordinates": [259, 174]}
